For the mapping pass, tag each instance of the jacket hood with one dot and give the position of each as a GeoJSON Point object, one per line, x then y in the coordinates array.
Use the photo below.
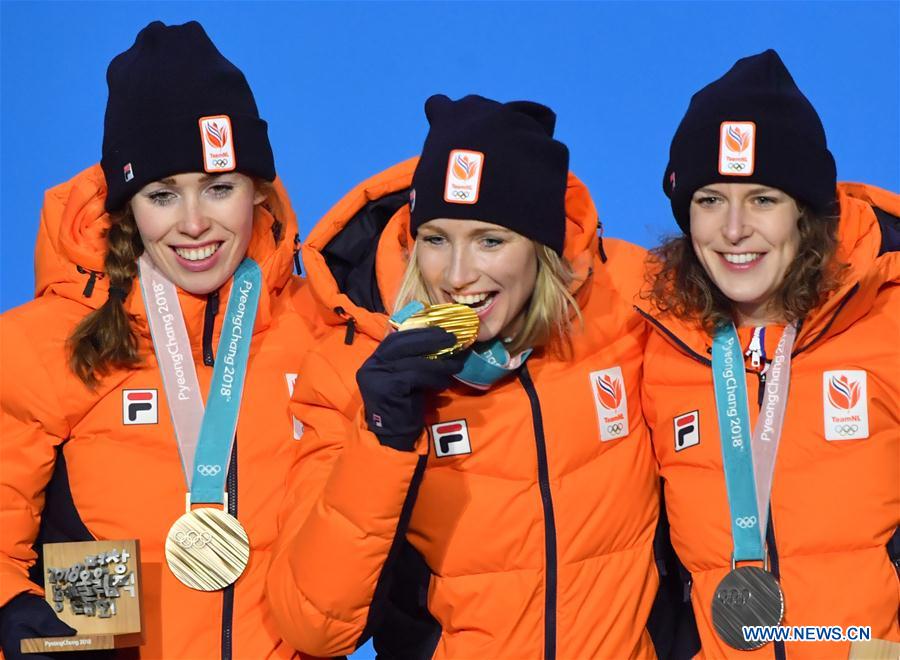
{"type": "Point", "coordinates": [868, 233]}
{"type": "Point", "coordinates": [356, 255]}
{"type": "Point", "coordinates": [71, 247]}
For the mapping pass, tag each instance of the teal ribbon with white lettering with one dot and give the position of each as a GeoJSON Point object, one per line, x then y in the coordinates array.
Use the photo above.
{"type": "Point", "coordinates": [224, 400]}
{"type": "Point", "coordinates": [734, 432]}
{"type": "Point", "coordinates": [487, 363]}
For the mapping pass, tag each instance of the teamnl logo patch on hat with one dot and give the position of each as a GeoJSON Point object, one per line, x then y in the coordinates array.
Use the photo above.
{"type": "Point", "coordinates": [737, 148]}
{"type": "Point", "coordinates": [218, 144]}
{"type": "Point", "coordinates": [463, 176]}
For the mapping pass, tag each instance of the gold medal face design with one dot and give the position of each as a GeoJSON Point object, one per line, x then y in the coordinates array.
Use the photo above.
{"type": "Point", "coordinates": [207, 549]}
{"type": "Point", "coordinates": [461, 320]}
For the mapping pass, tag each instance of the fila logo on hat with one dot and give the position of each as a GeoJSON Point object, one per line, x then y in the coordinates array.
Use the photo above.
{"type": "Point", "coordinates": [846, 405]}
{"type": "Point", "coordinates": [687, 430]}
{"type": "Point", "coordinates": [218, 144]}
{"type": "Point", "coordinates": [451, 438]}
{"type": "Point", "coordinates": [737, 148]}
{"type": "Point", "coordinates": [608, 386]}
{"type": "Point", "coordinates": [463, 176]}
{"type": "Point", "coordinates": [139, 407]}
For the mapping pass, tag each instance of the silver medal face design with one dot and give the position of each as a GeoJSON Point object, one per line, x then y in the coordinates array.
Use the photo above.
{"type": "Point", "coordinates": [747, 596]}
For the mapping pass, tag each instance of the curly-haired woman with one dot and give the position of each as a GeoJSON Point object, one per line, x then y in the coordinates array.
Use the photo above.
{"type": "Point", "coordinates": [770, 382]}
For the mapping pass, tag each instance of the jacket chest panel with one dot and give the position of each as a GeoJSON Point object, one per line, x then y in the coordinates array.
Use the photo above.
{"type": "Point", "coordinates": [125, 468]}
{"type": "Point", "coordinates": [814, 499]}
{"type": "Point", "coordinates": [468, 499]}
{"type": "Point", "coordinates": [481, 479]}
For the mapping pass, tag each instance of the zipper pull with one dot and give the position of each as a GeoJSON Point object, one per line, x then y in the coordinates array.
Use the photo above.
{"type": "Point", "coordinates": [755, 350]}
{"type": "Point", "coordinates": [298, 265]}
{"type": "Point", "coordinates": [351, 325]}
{"type": "Point", "coordinates": [92, 280]}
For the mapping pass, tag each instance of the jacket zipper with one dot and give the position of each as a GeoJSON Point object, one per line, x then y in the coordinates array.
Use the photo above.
{"type": "Point", "coordinates": [549, 518]}
{"type": "Point", "coordinates": [841, 305]}
{"type": "Point", "coordinates": [351, 325]}
{"type": "Point", "coordinates": [94, 275]}
{"type": "Point", "coordinates": [209, 359]}
{"type": "Point", "coordinates": [675, 339]}
{"type": "Point", "coordinates": [298, 265]}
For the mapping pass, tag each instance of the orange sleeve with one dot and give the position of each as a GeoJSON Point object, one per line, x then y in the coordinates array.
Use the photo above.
{"type": "Point", "coordinates": [341, 518]}
{"type": "Point", "coordinates": [31, 427]}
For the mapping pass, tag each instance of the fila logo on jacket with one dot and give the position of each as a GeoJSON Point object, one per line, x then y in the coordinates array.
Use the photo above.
{"type": "Point", "coordinates": [139, 407]}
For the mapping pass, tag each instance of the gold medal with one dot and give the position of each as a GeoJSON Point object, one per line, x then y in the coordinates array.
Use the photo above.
{"type": "Point", "coordinates": [207, 549]}
{"type": "Point", "coordinates": [461, 320]}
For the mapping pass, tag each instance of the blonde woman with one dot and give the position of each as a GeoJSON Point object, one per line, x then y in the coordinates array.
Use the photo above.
{"type": "Point", "coordinates": [506, 494]}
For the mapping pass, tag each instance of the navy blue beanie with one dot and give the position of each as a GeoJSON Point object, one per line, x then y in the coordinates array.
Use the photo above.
{"type": "Point", "coordinates": [494, 162]}
{"type": "Point", "coordinates": [752, 125]}
{"type": "Point", "coordinates": [177, 105]}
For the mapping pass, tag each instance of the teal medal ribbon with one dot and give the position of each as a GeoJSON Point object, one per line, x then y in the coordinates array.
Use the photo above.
{"type": "Point", "coordinates": [488, 363]}
{"type": "Point", "coordinates": [207, 548]}
{"type": "Point", "coordinates": [224, 399]}
{"type": "Point", "coordinates": [748, 595]}
{"type": "Point", "coordinates": [734, 431]}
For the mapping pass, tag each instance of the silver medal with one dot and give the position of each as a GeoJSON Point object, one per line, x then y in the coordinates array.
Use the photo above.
{"type": "Point", "coordinates": [747, 596]}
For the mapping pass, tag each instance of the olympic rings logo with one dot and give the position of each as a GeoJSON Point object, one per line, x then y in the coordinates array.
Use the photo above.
{"type": "Point", "coordinates": [745, 521]}
{"type": "Point", "coordinates": [460, 194]}
{"type": "Point", "coordinates": [192, 539]}
{"type": "Point", "coordinates": [733, 596]}
{"type": "Point", "coordinates": [209, 470]}
{"type": "Point", "coordinates": [615, 428]}
{"type": "Point", "coordinates": [846, 429]}
{"type": "Point", "coordinates": [737, 167]}
{"type": "Point", "coordinates": [220, 162]}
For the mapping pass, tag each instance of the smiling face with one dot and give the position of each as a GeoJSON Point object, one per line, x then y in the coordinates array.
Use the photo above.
{"type": "Point", "coordinates": [196, 227]}
{"type": "Point", "coordinates": [485, 266]}
{"type": "Point", "coordinates": [745, 235]}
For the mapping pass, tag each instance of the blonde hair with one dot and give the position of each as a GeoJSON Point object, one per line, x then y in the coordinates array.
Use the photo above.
{"type": "Point", "coordinates": [550, 309]}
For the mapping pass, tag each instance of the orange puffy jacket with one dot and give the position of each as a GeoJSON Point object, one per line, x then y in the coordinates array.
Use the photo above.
{"type": "Point", "coordinates": [835, 504]}
{"type": "Point", "coordinates": [111, 480]}
{"type": "Point", "coordinates": [537, 528]}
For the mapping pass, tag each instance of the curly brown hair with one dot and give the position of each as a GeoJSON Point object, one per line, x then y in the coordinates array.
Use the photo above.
{"type": "Point", "coordinates": [677, 284]}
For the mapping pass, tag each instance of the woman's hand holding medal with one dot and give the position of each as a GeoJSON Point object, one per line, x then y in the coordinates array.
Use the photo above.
{"type": "Point", "coordinates": [407, 364]}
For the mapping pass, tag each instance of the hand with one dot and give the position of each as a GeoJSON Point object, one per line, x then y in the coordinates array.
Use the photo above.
{"type": "Point", "coordinates": [28, 615]}
{"type": "Point", "coordinates": [395, 379]}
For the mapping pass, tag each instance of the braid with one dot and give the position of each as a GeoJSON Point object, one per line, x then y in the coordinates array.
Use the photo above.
{"type": "Point", "coordinates": [104, 338]}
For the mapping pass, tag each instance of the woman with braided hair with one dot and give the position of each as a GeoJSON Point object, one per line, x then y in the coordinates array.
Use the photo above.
{"type": "Point", "coordinates": [165, 307]}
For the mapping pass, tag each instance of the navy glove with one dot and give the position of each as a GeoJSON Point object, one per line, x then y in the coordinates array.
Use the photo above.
{"type": "Point", "coordinates": [28, 615]}
{"type": "Point", "coordinates": [396, 378]}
